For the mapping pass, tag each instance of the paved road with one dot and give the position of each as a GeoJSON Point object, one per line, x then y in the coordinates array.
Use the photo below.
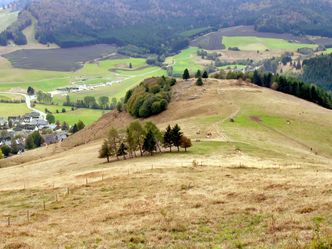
{"type": "Point", "coordinates": [28, 100]}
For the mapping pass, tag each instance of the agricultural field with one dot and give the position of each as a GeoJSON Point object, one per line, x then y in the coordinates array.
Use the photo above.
{"type": "Point", "coordinates": [62, 59]}
{"type": "Point", "coordinates": [186, 59]}
{"type": "Point", "coordinates": [7, 18]}
{"type": "Point", "coordinates": [10, 109]}
{"type": "Point", "coordinates": [253, 43]}
{"type": "Point", "coordinates": [91, 73]}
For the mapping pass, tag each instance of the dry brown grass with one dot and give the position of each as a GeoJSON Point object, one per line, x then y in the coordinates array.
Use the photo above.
{"type": "Point", "coordinates": [250, 186]}
{"type": "Point", "coordinates": [175, 207]}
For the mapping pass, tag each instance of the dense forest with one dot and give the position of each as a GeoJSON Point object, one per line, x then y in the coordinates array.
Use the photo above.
{"type": "Point", "coordinates": [162, 27]}
{"type": "Point", "coordinates": [318, 70]}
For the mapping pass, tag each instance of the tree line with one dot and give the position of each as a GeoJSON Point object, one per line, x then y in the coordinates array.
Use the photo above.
{"type": "Point", "coordinates": [90, 102]}
{"type": "Point", "coordinates": [142, 139]}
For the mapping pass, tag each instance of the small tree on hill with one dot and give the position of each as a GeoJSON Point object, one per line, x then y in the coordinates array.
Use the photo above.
{"type": "Point", "coordinates": [80, 125]}
{"type": "Point", "coordinates": [198, 74]}
{"type": "Point", "coordinates": [29, 145]}
{"type": "Point", "coordinates": [113, 138]}
{"type": "Point", "coordinates": [168, 138]}
{"type": "Point", "coordinates": [138, 134]}
{"type": "Point", "coordinates": [186, 74]}
{"type": "Point", "coordinates": [205, 75]}
{"type": "Point", "coordinates": [122, 151]}
{"type": "Point", "coordinates": [1, 155]}
{"type": "Point", "coordinates": [185, 143]}
{"type": "Point", "coordinates": [5, 150]}
{"type": "Point", "coordinates": [199, 82]}
{"type": "Point", "coordinates": [149, 126]}
{"type": "Point", "coordinates": [176, 135]}
{"type": "Point", "coordinates": [50, 118]}
{"type": "Point", "coordinates": [30, 91]}
{"type": "Point", "coordinates": [74, 129]}
{"type": "Point", "coordinates": [105, 151]}
{"type": "Point", "coordinates": [150, 143]}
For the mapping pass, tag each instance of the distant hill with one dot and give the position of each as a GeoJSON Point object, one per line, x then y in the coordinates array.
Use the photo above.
{"type": "Point", "coordinates": [163, 27]}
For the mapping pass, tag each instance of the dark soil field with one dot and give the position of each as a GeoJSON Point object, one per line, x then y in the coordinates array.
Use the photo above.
{"type": "Point", "coordinates": [59, 59]}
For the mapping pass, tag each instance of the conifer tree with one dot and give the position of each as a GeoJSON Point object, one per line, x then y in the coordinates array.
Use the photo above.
{"type": "Point", "coordinates": [205, 75]}
{"type": "Point", "coordinates": [168, 138]}
{"type": "Point", "coordinates": [150, 143]}
{"type": "Point", "coordinates": [176, 135]}
{"type": "Point", "coordinates": [186, 74]}
{"type": "Point", "coordinates": [199, 82]}
{"type": "Point", "coordinates": [198, 74]}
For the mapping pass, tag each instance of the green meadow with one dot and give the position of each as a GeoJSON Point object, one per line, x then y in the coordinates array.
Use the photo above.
{"type": "Point", "coordinates": [253, 43]}
{"type": "Point", "coordinates": [13, 109]}
{"type": "Point", "coordinates": [186, 59]}
{"type": "Point", "coordinates": [88, 116]}
{"type": "Point", "coordinates": [91, 73]}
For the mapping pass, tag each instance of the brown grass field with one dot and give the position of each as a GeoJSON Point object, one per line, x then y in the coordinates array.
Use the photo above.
{"type": "Point", "coordinates": [262, 181]}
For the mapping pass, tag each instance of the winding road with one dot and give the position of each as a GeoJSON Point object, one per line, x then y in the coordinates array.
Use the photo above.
{"type": "Point", "coordinates": [28, 100]}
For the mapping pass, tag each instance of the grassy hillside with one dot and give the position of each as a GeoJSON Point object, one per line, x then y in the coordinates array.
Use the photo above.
{"type": "Point", "coordinates": [262, 180]}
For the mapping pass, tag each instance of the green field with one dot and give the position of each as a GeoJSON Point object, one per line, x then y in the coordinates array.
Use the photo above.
{"type": "Point", "coordinates": [93, 73]}
{"type": "Point", "coordinates": [237, 66]}
{"type": "Point", "coordinates": [328, 51]}
{"type": "Point", "coordinates": [13, 109]}
{"type": "Point", "coordinates": [88, 116]}
{"type": "Point", "coordinates": [8, 96]}
{"type": "Point", "coordinates": [253, 43]}
{"type": "Point", "coordinates": [186, 59]}
{"type": "Point", "coordinates": [7, 18]}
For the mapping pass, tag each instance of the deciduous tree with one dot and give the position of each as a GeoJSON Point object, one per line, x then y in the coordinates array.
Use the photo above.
{"type": "Point", "coordinates": [105, 151]}
{"type": "Point", "coordinates": [185, 143]}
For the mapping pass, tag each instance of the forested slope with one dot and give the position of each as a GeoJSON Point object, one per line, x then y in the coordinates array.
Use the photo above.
{"type": "Point", "coordinates": [157, 25]}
